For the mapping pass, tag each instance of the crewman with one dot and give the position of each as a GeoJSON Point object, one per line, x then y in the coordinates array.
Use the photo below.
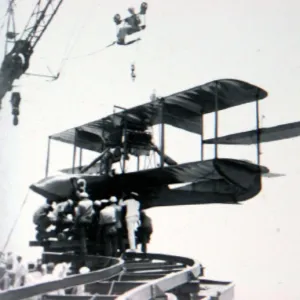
{"type": "Point", "coordinates": [108, 229]}
{"type": "Point", "coordinates": [144, 231]}
{"type": "Point", "coordinates": [20, 272]}
{"type": "Point", "coordinates": [132, 218]}
{"type": "Point", "coordinates": [79, 290]}
{"type": "Point", "coordinates": [5, 281]}
{"type": "Point", "coordinates": [109, 158]}
{"type": "Point", "coordinates": [61, 215]}
{"type": "Point", "coordinates": [41, 218]}
{"type": "Point", "coordinates": [119, 225]}
{"type": "Point", "coordinates": [93, 231]}
{"type": "Point", "coordinates": [106, 163]}
{"type": "Point", "coordinates": [84, 214]}
{"type": "Point", "coordinates": [84, 210]}
{"type": "Point", "coordinates": [32, 277]}
{"type": "Point", "coordinates": [49, 276]}
{"type": "Point", "coordinates": [10, 261]}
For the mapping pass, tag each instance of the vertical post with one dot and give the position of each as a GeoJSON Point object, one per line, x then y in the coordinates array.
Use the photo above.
{"type": "Point", "coordinates": [48, 156]}
{"type": "Point", "coordinates": [138, 163]}
{"type": "Point", "coordinates": [257, 128]}
{"type": "Point", "coordinates": [124, 143]}
{"type": "Point", "coordinates": [216, 120]}
{"type": "Point", "coordinates": [162, 134]}
{"type": "Point", "coordinates": [74, 152]}
{"type": "Point", "coordinates": [201, 137]}
{"type": "Point", "coordinates": [80, 158]}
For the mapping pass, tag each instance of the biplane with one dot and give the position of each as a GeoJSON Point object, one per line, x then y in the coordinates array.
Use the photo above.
{"type": "Point", "coordinates": [217, 180]}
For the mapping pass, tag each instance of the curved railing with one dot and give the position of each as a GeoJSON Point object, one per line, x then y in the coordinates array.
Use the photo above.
{"type": "Point", "coordinates": [134, 276]}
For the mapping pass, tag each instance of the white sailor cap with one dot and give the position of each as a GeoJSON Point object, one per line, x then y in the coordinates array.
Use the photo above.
{"type": "Point", "coordinates": [97, 203]}
{"type": "Point", "coordinates": [113, 199]}
{"type": "Point", "coordinates": [84, 270]}
{"type": "Point", "coordinates": [83, 195]}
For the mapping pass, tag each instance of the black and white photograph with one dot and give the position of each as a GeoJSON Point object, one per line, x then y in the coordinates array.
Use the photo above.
{"type": "Point", "coordinates": [149, 150]}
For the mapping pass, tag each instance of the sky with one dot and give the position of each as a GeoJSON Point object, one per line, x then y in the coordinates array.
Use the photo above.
{"type": "Point", "coordinates": [186, 43]}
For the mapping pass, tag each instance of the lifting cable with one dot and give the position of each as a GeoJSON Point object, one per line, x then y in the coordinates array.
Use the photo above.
{"type": "Point", "coordinates": [15, 223]}
{"type": "Point", "coordinates": [75, 37]}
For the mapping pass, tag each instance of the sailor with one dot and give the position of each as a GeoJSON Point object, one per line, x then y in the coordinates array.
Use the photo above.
{"type": "Point", "coordinates": [5, 281]}
{"type": "Point", "coordinates": [41, 218]}
{"type": "Point", "coordinates": [32, 277]}
{"type": "Point", "coordinates": [84, 215]}
{"type": "Point", "coordinates": [79, 290]}
{"type": "Point", "coordinates": [84, 211]}
{"type": "Point", "coordinates": [119, 225]}
{"type": "Point", "coordinates": [93, 228]}
{"type": "Point", "coordinates": [62, 215]}
{"type": "Point", "coordinates": [106, 163]}
{"type": "Point", "coordinates": [20, 272]}
{"type": "Point", "coordinates": [117, 154]}
{"type": "Point", "coordinates": [108, 229]}
{"type": "Point", "coordinates": [49, 276]}
{"type": "Point", "coordinates": [144, 231]}
{"type": "Point", "coordinates": [10, 261]}
{"type": "Point", "coordinates": [132, 218]}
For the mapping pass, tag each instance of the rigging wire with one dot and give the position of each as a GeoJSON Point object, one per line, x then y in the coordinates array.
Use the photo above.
{"type": "Point", "coordinates": [70, 47]}
{"type": "Point", "coordinates": [15, 222]}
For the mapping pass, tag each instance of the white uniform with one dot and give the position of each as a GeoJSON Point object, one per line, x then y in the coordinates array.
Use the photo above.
{"type": "Point", "coordinates": [132, 220]}
{"type": "Point", "coordinates": [20, 271]}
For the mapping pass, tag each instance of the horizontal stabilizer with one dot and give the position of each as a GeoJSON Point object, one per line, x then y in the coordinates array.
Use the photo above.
{"type": "Point", "coordinates": [273, 175]}
{"type": "Point", "coordinates": [269, 134]}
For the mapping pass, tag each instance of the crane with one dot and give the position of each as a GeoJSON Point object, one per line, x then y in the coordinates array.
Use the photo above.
{"type": "Point", "coordinates": [16, 60]}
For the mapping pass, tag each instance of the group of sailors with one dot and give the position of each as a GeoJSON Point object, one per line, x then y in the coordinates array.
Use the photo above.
{"type": "Point", "coordinates": [12, 271]}
{"type": "Point", "coordinates": [15, 273]}
{"type": "Point", "coordinates": [112, 225]}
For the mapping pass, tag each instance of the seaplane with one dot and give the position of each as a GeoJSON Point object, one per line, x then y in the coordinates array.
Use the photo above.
{"type": "Point", "coordinates": [127, 133]}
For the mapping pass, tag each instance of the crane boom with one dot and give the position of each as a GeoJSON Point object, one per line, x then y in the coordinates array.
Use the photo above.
{"type": "Point", "coordinates": [39, 20]}
{"type": "Point", "coordinates": [16, 61]}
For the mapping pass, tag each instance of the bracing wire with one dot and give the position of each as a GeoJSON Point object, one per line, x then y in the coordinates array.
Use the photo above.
{"type": "Point", "coordinates": [15, 223]}
{"type": "Point", "coordinates": [71, 47]}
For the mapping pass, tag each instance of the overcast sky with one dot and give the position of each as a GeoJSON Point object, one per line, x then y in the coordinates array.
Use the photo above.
{"type": "Point", "coordinates": [186, 43]}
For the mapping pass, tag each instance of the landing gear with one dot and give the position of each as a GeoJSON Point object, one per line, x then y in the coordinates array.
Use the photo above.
{"type": "Point", "coordinates": [15, 102]}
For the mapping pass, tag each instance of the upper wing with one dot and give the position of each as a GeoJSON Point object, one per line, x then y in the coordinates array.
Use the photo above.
{"type": "Point", "coordinates": [182, 110]}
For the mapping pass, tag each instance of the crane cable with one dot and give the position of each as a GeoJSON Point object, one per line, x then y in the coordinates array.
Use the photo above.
{"type": "Point", "coordinates": [101, 49]}
{"type": "Point", "coordinates": [15, 222]}
{"type": "Point", "coordinates": [70, 47]}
